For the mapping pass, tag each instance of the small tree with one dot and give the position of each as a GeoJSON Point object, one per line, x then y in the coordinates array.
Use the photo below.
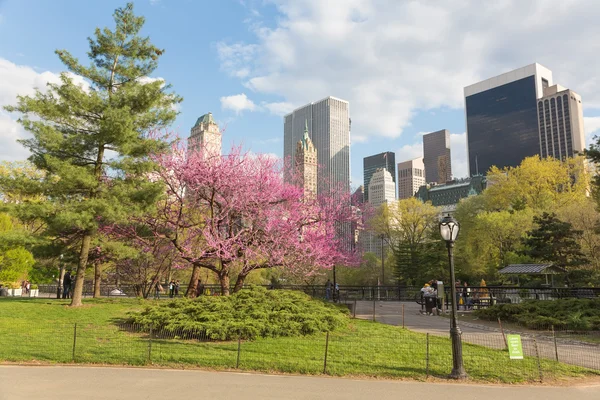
{"type": "Point", "coordinates": [75, 127]}
{"type": "Point", "coordinates": [554, 241]}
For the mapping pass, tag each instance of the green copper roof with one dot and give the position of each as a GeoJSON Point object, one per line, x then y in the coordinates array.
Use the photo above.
{"type": "Point", "coordinates": [205, 119]}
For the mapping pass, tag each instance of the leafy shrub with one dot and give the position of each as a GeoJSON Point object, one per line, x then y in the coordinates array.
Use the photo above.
{"type": "Point", "coordinates": [251, 313]}
{"type": "Point", "coordinates": [573, 314]}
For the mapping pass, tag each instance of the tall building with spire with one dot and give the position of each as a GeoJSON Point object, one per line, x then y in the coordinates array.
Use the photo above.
{"type": "Point", "coordinates": [306, 164]}
{"type": "Point", "coordinates": [206, 135]}
{"type": "Point", "coordinates": [329, 129]}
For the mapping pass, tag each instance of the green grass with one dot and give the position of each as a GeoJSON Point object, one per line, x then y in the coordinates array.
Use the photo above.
{"type": "Point", "coordinates": [43, 330]}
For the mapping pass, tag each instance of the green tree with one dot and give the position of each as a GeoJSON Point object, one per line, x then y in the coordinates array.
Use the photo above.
{"type": "Point", "coordinates": [406, 225]}
{"type": "Point", "coordinates": [92, 141]}
{"type": "Point", "coordinates": [593, 155]}
{"type": "Point", "coordinates": [554, 241]}
{"type": "Point", "coordinates": [15, 264]}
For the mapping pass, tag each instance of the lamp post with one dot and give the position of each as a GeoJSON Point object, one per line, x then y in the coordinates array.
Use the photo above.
{"type": "Point", "coordinates": [382, 264]}
{"type": "Point", "coordinates": [61, 275]}
{"type": "Point", "coordinates": [449, 228]}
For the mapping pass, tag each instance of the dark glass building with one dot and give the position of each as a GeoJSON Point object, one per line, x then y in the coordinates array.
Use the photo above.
{"type": "Point", "coordinates": [385, 160]}
{"type": "Point", "coordinates": [502, 118]}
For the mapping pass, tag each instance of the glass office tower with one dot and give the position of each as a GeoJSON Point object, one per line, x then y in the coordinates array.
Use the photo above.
{"type": "Point", "coordinates": [502, 118]}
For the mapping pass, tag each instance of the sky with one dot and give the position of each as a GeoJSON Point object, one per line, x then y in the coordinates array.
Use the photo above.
{"type": "Point", "coordinates": [402, 65]}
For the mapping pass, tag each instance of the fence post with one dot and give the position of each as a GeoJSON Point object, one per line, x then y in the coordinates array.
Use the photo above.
{"type": "Point", "coordinates": [502, 330]}
{"type": "Point", "coordinates": [74, 340]}
{"type": "Point", "coordinates": [427, 357]}
{"type": "Point", "coordinates": [326, 351]}
{"type": "Point", "coordinates": [555, 346]}
{"type": "Point", "coordinates": [150, 345]}
{"type": "Point", "coordinates": [537, 354]}
{"type": "Point", "coordinates": [354, 311]}
{"type": "Point", "coordinates": [373, 309]}
{"type": "Point", "coordinates": [402, 316]}
{"type": "Point", "coordinates": [237, 363]}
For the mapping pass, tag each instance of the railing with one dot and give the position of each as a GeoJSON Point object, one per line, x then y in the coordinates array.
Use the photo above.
{"type": "Point", "coordinates": [492, 294]}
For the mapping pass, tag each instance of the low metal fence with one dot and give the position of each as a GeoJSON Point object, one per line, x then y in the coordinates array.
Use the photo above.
{"type": "Point", "coordinates": [368, 351]}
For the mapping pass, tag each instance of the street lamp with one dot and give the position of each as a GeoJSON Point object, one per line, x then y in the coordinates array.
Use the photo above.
{"type": "Point", "coordinates": [61, 275]}
{"type": "Point", "coordinates": [449, 228]}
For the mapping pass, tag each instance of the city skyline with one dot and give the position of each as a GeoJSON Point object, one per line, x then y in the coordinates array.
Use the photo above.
{"type": "Point", "coordinates": [250, 81]}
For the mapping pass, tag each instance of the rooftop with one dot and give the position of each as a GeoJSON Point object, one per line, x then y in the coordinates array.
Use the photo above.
{"type": "Point", "coordinates": [205, 119]}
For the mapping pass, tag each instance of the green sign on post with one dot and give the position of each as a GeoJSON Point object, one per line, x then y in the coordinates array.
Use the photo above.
{"type": "Point", "coordinates": [515, 348]}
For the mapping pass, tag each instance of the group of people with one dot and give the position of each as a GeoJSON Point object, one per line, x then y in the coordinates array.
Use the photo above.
{"type": "Point", "coordinates": [430, 297]}
{"type": "Point", "coordinates": [173, 288]}
{"type": "Point", "coordinates": [26, 286]}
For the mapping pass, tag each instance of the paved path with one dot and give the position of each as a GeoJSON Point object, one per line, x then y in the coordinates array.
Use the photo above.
{"type": "Point", "coordinates": [91, 383]}
{"type": "Point", "coordinates": [582, 354]}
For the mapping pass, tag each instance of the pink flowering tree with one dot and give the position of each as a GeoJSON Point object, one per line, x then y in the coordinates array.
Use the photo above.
{"type": "Point", "coordinates": [235, 213]}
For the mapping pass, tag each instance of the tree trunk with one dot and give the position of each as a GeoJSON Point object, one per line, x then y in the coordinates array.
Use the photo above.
{"type": "Point", "coordinates": [97, 280]}
{"type": "Point", "coordinates": [193, 285]}
{"type": "Point", "coordinates": [79, 280]}
{"type": "Point", "coordinates": [239, 283]}
{"type": "Point", "coordinates": [224, 281]}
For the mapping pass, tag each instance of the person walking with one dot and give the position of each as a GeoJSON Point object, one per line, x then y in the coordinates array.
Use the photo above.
{"type": "Point", "coordinates": [177, 288]}
{"type": "Point", "coordinates": [199, 288]}
{"type": "Point", "coordinates": [157, 289]}
{"type": "Point", "coordinates": [171, 289]}
{"type": "Point", "coordinates": [466, 297]}
{"type": "Point", "coordinates": [328, 290]}
{"type": "Point", "coordinates": [67, 285]}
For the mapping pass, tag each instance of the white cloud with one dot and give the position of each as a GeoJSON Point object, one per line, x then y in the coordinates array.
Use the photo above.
{"type": "Point", "coordinates": [458, 153]}
{"type": "Point", "coordinates": [10, 131]}
{"type": "Point", "coordinates": [281, 108]}
{"type": "Point", "coordinates": [409, 152]}
{"type": "Point", "coordinates": [21, 80]}
{"type": "Point", "coordinates": [237, 103]}
{"type": "Point", "coordinates": [355, 138]}
{"type": "Point", "coordinates": [592, 128]}
{"type": "Point", "coordinates": [391, 59]}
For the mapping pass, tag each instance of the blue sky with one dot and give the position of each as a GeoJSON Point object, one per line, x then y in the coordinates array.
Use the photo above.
{"type": "Point", "coordinates": [402, 65]}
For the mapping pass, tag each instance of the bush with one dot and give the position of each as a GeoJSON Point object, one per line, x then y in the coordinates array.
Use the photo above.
{"type": "Point", "coordinates": [251, 313]}
{"type": "Point", "coordinates": [572, 314]}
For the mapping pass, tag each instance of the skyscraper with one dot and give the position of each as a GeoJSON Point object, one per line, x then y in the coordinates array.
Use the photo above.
{"type": "Point", "coordinates": [205, 134]}
{"type": "Point", "coordinates": [436, 156]}
{"type": "Point", "coordinates": [306, 164]}
{"type": "Point", "coordinates": [382, 188]}
{"type": "Point", "coordinates": [411, 176]}
{"type": "Point", "coordinates": [561, 123]}
{"type": "Point", "coordinates": [329, 129]}
{"type": "Point", "coordinates": [386, 160]}
{"type": "Point", "coordinates": [502, 118]}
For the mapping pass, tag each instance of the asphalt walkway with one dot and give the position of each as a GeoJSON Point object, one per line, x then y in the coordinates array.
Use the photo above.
{"type": "Point", "coordinates": [92, 383]}
{"type": "Point", "coordinates": [392, 313]}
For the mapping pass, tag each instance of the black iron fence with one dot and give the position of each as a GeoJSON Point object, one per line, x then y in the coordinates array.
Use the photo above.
{"type": "Point", "coordinates": [481, 295]}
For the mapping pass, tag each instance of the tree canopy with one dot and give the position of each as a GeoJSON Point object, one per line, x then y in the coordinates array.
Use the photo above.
{"type": "Point", "coordinates": [91, 140]}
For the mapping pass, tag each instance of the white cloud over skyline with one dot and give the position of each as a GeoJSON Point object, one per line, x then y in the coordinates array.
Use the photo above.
{"type": "Point", "coordinates": [392, 60]}
{"type": "Point", "coordinates": [237, 103]}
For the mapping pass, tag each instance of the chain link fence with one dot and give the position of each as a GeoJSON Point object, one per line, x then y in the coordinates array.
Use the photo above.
{"type": "Point", "coordinates": [368, 351]}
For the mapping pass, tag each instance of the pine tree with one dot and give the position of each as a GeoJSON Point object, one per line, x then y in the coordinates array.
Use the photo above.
{"type": "Point", "coordinates": [93, 140]}
{"type": "Point", "coordinates": [554, 241]}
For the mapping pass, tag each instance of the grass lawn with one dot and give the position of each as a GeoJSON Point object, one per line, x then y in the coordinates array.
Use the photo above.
{"type": "Point", "coordinates": [43, 330]}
